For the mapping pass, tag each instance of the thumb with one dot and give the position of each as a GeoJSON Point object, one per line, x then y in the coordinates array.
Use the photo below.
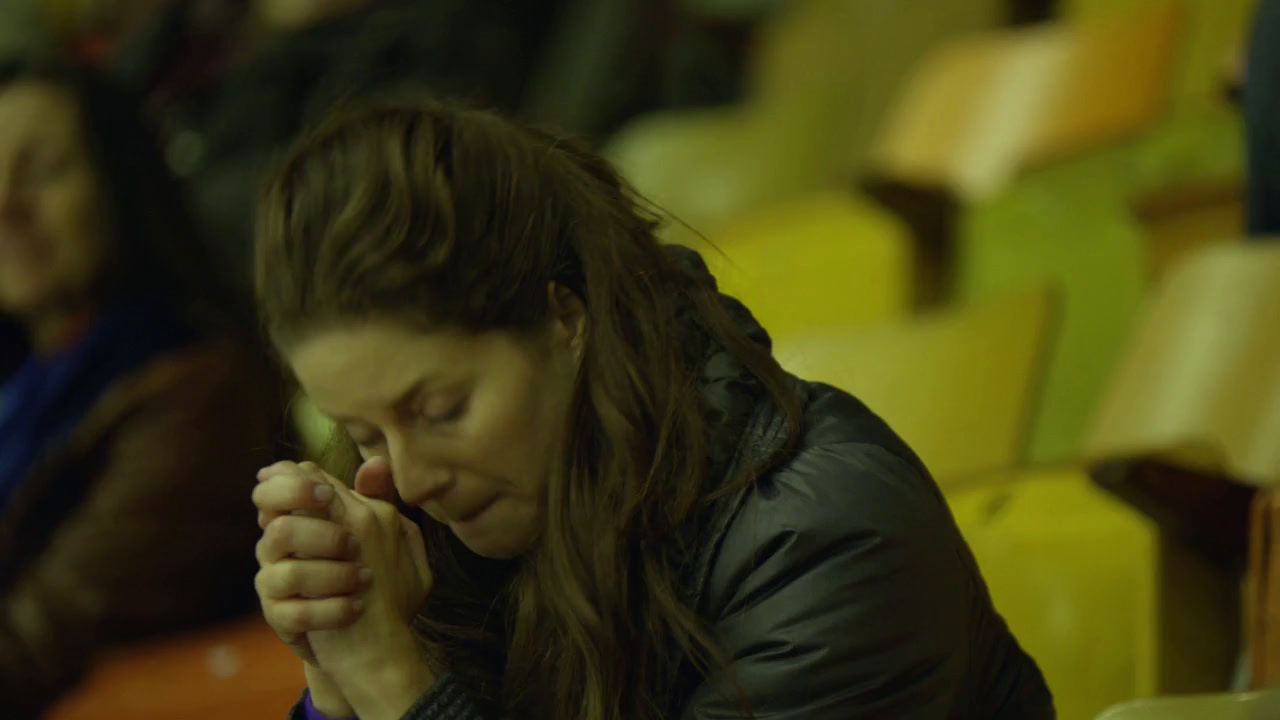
{"type": "Point", "coordinates": [417, 551]}
{"type": "Point", "coordinates": [374, 481]}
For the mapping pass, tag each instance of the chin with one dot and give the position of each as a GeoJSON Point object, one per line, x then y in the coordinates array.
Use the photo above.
{"type": "Point", "coordinates": [24, 298]}
{"type": "Point", "coordinates": [496, 546]}
{"type": "Point", "coordinates": [494, 551]}
{"type": "Point", "coordinates": [504, 532]}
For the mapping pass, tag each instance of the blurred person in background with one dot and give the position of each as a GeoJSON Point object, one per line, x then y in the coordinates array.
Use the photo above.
{"type": "Point", "coordinates": [232, 83]}
{"type": "Point", "coordinates": [1262, 118]}
{"type": "Point", "coordinates": [629, 509]}
{"type": "Point", "coordinates": [132, 412]}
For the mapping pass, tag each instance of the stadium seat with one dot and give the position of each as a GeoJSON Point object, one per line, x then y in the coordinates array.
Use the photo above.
{"type": "Point", "coordinates": [959, 385]}
{"type": "Point", "coordinates": [819, 260]}
{"type": "Point", "coordinates": [1109, 607]}
{"type": "Point", "coordinates": [1242, 706]}
{"type": "Point", "coordinates": [240, 670]}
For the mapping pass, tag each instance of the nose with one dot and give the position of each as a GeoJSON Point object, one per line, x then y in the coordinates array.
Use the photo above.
{"type": "Point", "coordinates": [419, 478]}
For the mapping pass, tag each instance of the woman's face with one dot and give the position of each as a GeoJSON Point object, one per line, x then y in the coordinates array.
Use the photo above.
{"type": "Point", "coordinates": [470, 423]}
{"type": "Point", "coordinates": [52, 230]}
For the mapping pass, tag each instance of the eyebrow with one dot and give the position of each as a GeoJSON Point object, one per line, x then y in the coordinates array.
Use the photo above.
{"type": "Point", "coordinates": [400, 398]}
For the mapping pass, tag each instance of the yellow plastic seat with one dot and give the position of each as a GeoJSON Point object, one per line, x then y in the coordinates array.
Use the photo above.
{"type": "Point", "coordinates": [958, 385]}
{"type": "Point", "coordinates": [821, 260]}
{"type": "Point", "coordinates": [981, 120]}
{"type": "Point", "coordinates": [1108, 607]}
{"type": "Point", "coordinates": [1073, 572]}
{"type": "Point", "coordinates": [1199, 385]}
{"type": "Point", "coordinates": [1242, 706]}
{"type": "Point", "coordinates": [822, 78]}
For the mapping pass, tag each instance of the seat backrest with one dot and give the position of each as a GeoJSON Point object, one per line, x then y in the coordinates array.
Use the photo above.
{"type": "Point", "coordinates": [959, 385]}
{"type": "Point", "coordinates": [1073, 571]}
{"type": "Point", "coordinates": [1214, 31]}
{"type": "Point", "coordinates": [1200, 381]}
{"type": "Point", "coordinates": [241, 670]}
{"type": "Point", "coordinates": [978, 110]}
{"type": "Point", "coordinates": [816, 261]}
{"type": "Point", "coordinates": [831, 68]}
{"type": "Point", "coordinates": [1243, 706]}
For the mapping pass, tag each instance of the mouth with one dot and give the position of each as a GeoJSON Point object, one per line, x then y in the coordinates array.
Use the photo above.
{"type": "Point", "coordinates": [471, 514]}
{"type": "Point", "coordinates": [19, 245]}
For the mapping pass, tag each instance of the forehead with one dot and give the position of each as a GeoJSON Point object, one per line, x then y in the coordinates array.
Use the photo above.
{"type": "Point", "coordinates": [33, 112]}
{"type": "Point", "coordinates": [360, 366]}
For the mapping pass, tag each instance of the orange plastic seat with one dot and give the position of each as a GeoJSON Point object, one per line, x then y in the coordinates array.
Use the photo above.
{"type": "Point", "coordinates": [241, 670]}
{"type": "Point", "coordinates": [981, 109]}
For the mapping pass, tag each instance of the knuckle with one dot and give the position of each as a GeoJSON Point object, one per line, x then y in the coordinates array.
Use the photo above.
{"type": "Point", "coordinates": [260, 583]}
{"type": "Point", "coordinates": [281, 617]}
{"type": "Point", "coordinates": [289, 577]}
{"type": "Point", "coordinates": [280, 533]}
{"type": "Point", "coordinates": [260, 491]}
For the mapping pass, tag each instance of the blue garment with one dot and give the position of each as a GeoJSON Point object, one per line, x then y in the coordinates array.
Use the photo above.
{"type": "Point", "coordinates": [44, 400]}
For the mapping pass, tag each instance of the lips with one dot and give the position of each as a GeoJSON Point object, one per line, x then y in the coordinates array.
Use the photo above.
{"type": "Point", "coordinates": [471, 513]}
{"type": "Point", "coordinates": [455, 512]}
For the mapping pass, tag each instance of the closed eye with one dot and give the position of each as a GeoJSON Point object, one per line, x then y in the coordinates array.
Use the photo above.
{"type": "Point", "coordinates": [451, 413]}
{"type": "Point", "coordinates": [365, 440]}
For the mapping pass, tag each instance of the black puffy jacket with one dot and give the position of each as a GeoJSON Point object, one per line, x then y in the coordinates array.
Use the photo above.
{"type": "Point", "coordinates": [838, 583]}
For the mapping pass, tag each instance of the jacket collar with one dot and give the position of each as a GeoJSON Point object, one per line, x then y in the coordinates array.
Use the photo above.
{"type": "Point", "coordinates": [745, 429]}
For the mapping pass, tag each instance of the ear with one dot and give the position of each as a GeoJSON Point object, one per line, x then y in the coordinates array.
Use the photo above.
{"type": "Point", "coordinates": [568, 318]}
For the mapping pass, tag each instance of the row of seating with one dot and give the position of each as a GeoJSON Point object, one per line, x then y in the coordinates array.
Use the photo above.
{"type": "Point", "coordinates": [1012, 372]}
{"type": "Point", "coordinates": [1112, 606]}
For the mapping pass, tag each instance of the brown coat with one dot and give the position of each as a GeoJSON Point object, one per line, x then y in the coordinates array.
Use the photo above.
{"type": "Point", "coordinates": [140, 523]}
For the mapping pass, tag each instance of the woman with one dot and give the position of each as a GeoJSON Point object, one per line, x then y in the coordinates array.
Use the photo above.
{"type": "Point", "coordinates": [629, 509]}
{"type": "Point", "coordinates": [131, 409]}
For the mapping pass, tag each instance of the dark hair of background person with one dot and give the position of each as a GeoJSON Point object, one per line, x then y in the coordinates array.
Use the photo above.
{"type": "Point", "coordinates": [157, 253]}
{"type": "Point", "coordinates": [442, 217]}
{"type": "Point", "coordinates": [1262, 123]}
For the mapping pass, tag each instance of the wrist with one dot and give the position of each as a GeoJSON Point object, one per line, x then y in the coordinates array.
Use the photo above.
{"type": "Point", "coordinates": [326, 697]}
{"type": "Point", "coordinates": [388, 689]}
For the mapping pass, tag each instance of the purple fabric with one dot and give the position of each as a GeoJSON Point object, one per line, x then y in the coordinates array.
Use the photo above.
{"type": "Point", "coordinates": [311, 713]}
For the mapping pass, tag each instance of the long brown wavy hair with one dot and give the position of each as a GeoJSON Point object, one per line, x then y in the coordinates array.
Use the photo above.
{"type": "Point", "coordinates": [445, 217]}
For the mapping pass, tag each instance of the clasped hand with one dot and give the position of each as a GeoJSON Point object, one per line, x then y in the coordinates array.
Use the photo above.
{"type": "Point", "coordinates": [342, 575]}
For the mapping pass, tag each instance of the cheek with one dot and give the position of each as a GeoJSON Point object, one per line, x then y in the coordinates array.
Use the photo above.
{"type": "Point", "coordinates": [518, 446]}
{"type": "Point", "coordinates": [75, 232]}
